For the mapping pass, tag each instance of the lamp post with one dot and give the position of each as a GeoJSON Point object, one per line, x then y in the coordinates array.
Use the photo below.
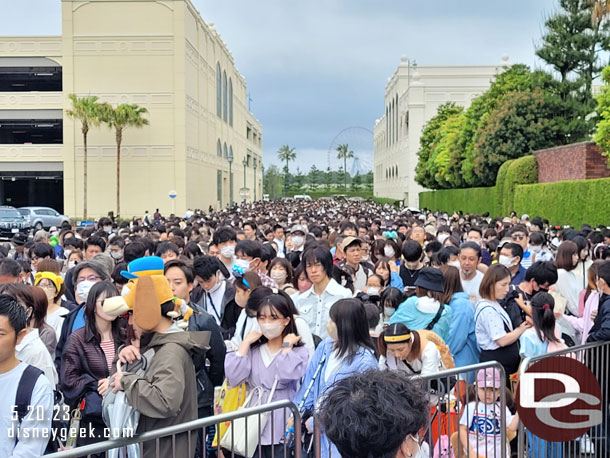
{"type": "Point", "coordinates": [230, 159]}
{"type": "Point", "coordinates": [254, 179]}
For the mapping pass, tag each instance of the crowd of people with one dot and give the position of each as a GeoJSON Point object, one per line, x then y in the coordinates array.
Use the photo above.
{"type": "Point", "coordinates": [289, 298]}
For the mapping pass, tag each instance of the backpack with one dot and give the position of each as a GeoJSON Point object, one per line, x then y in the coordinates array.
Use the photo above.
{"type": "Point", "coordinates": [23, 401]}
{"type": "Point", "coordinates": [443, 448]}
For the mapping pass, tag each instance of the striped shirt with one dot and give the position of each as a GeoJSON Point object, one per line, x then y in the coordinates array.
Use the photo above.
{"type": "Point", "coordinates": [108, 349]}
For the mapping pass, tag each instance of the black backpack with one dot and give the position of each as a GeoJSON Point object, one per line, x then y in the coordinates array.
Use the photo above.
{"type": "Point", "coordinates": [23, 401]}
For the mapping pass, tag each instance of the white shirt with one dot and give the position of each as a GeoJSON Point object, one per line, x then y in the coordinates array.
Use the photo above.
{"type": "Point", "coordinates": [315, 309]}
{"type": "Point", "coordinates": [250, 323]}
{"type": "Point", "coordinates": [430, 362]}
{"type": "Point", "coordinates": [217, 296]}
{"type": "Point", "coordinates": [35, 422]}
{"type": "Point", "coordinates": [471, 287]}
{"type": "Point", "coordinates": [333, 365]}
{"type": "Point", "coordinates": [56, 320]}
{"type": "Point", "coordinates": [360, 278]}
{"type": "Point", "coordinates": [483, 422]}
{"type": "Point", "coordinates": [32, 350]}
{"type": "Point", "coordinates": [490, 319]}
{"type": "Point", "coordinates": [306, 335]}
{"type": "Point", "coordinates": [569, 285]}
{"type": "Point", "coordinates": [280, 247]}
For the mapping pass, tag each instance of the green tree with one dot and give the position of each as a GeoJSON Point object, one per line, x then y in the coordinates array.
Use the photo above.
{"type": "Point", "coordinates": [356, 182]}
{"type": "Point", "coordinates": [87, 111]}
{"type": "Point", "coordinates": [120, 118]}
{"type": "Point", "coordinates": [345, 154]}
{"type": "Point", "coordinates": [287, 154]}
{"type": "Point", "coordinates": [314, 177]}
{"type": "Point", "coordinates": [571, 46]}
{"type": "Point", "coordinates": [328, 178]}
{"type": "Point", "coordinates": [602, 132]}
{"type": "Point", "coordinates": [524, 121]}
{"type": "Point", "coordinates": [299, 180]}
{"type": "Point", "coordinates": [273, 182]}
{"type": "Point", "coordinates": [429, 140]}
{"type": "Point", "coordinates": [446, 158]}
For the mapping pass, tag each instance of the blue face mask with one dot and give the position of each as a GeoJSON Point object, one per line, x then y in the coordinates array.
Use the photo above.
{"type": "Point", "coordinates": [388, 311]}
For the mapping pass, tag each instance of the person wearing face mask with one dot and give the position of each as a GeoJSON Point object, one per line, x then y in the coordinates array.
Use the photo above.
{"type": "Point", "coordinates": [275, 360]}
{"type": "Point", "coordinates": [391, 250]}
{"type": "Point", "coordinates": [281, 271]}
{"type": "Point", "coordinates": [297, 234]}
{"type": "Point", "coordinates": [390, 299]}
{"type": "Point", "coordinates": [249, 257]}
{"type": "Point", "coordinates": [404, 407]}
{"type": "Point", "coordinates": [219, 296]}
{"type": "Point", "coordinates": [85, 275]}
{"type": "Point", "coordinates": [510, 257]}
{"type": "Point", "coordinates": [115, 249]}
{"type": "Point", "coordinates": [538, 278]}
{"type": "Point", "coordinates": [569, 285]}
{"type": "Point", "coordinates": [246, 285]}
{"type": "Point", "coordinates": [588, 303]}
{"type": "Point", "coordinates": [584, 261]}
{"type": "Point", "coordinates": [537, 247]}
{"type": "Point", "coordinates": [225, 239]}
{"type": "Point", "coordinates": [348, 350]}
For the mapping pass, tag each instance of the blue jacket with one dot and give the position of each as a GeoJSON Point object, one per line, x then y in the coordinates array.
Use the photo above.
{"type": "Point", "coordinates": [408, 314]}
{"type": "Point", "coordinates": [396, 281]}
{"type": "Point", "coordinates": [363, 360]}
{"type": "Point", "coordinates": [462, 339]}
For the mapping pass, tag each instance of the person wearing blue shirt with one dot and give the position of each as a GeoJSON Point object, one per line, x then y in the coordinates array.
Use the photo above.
{"type": "Point", "coordinates": [511, 255]}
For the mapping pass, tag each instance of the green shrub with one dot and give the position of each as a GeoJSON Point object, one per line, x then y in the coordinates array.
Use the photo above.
{"type": "Point", "coordinates": [566, 202]}
{"type": "Point", "coordinates": [499, 188]}
{"type": "Point", "coordinates": [469, 200]}
{"type": "Point", "coordinates": [520, 171]}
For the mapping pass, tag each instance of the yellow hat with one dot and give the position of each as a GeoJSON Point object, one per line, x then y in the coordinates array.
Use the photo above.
{"type": "Point", "coordinates": [56, 279]}
{"type": "Point", "coordinates": [146, 298]}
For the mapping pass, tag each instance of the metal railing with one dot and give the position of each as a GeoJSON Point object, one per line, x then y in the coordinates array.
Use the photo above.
{"type": "Point", "coordinates": [189, 431]}
{"type": "Point", "coordinates": [596, 442]}
{"type": "Point", "coordinates": [449, 397]}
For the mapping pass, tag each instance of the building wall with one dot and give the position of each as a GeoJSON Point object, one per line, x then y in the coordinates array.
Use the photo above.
{"type": "Point", "coordinates": [412, 97]}
{"type": "Point", "coordinates": [579, 161]}
{"type": "Point", "coordinates": [163, 57]}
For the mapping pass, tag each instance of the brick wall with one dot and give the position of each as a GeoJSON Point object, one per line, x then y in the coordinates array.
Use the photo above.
{"type": "Point", "coordinates": [579, 161]}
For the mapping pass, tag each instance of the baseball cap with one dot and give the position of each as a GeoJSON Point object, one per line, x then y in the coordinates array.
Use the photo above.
{"type": "Point", "coordinates": [489, 378]}
{"type": "Point", "coordinates": [347, 241]}
{"type": "Point", "coordinates": [298, 228]}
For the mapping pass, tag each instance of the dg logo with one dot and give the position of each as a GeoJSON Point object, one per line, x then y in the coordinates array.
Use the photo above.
{"type": "Point", "coordinates": [559, 399]}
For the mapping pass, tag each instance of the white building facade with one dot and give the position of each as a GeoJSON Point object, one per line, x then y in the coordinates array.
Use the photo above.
{"type": "Point", "coordinates": [412, 97]}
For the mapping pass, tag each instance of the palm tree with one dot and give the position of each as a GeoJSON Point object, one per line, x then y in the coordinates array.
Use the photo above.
{"type": "Point", "coordinates": [286, 153]}
{"type": "Point", "coordinates": [119, 118]}
{"type": "Point", "coordinates": [345, 154]}
{"type": "Point", "coordinates": [87, 111]}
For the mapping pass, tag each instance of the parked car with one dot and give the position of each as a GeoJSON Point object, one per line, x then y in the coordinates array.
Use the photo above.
{"type": "Point", "coordinates": [42, 217]}
{"type": "Point", "coordinates": [12, 222]}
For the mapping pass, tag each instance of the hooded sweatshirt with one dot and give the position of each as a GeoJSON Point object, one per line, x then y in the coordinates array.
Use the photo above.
{"type": "Point", "coordinates": [166, 394]}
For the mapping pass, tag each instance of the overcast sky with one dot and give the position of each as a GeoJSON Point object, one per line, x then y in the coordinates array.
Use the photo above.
{"type": "Point", "coordinates": [317, 67]}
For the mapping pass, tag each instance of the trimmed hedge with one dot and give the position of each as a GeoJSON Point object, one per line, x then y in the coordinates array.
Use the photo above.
{"type": "Point", "coordinates": [566, 202]}
{"type": "Point", "coordinates": [519, 171]}
{"type": "Point", "coordinates": [500, 180]}
{"type": "Point", "coordinates": [469, 200]}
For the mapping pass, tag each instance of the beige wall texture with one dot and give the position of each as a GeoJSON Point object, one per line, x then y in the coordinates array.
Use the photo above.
{"type": "Point", "coordinates": [412, 97]}
{"type": "Point", "coordinates": [164, 57]}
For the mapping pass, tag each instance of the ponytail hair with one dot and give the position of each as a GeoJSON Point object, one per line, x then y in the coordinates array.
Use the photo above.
{"type": "Point", "coordinates": [543, 306]}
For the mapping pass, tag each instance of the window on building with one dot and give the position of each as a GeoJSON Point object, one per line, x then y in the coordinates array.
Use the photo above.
{"type": "Point", "coordinates": [219, 186]}
{"type": "Point", "coordinates": [226, 151]}
{"type": "Point", "coordinates": [224, 96]}
{"type": "Point", "coordinates": [218, 91]}
{"type": "Point", "coordinates": [218, 148]}
{"type": "Point", "coordinates": [230, 101]}
{"type": "Point", "coordinates": [31, 126]}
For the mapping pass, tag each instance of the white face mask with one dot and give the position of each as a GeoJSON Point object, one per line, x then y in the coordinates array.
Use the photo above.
{"type": "Point", "coordinates": [67, 253]}
{"type": "Point", "coordinates": [372, 291]}
{"type": "Point", "coordinates": [107, 229]}
{"type": "Point", "coordinates": [116, 255]}
{"type": "Point", "coordinates": [455, 264]}
{"type": "Point", "coordinates": [271, 330]}
{"type": "Point", "coordinates": [217, 284]}
{"type": "Point", "coordinates": [83, 288]}
{"type": "Point", "coordinates": [388, 311]}
{"type": "Point", "coordinates": [243, 264]}
{"type": "Point", "coordinates": [278, 276]}
{"type": "Point", "coordinates": [388, 251]}
{"type": "Point", "coordinates": [506, 261]}
{"type": "Point", "coordinates": [442, 237]}
{"type": "Point", "coordinates": [366, 258]}
{"type": "Point", "coordinates": [535, 249]}
{"type": "Point", "coordinates": [228, 251]}
{"type": "Point", "coordinates": [297, 240]}
{"type": "Point", "coordinates": [71, 264]}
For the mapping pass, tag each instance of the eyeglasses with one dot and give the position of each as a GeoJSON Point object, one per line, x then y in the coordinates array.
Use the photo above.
{"type": "Point", "coordinates": [90, 278]}
{"type": "Point", "coordinates": [517, 237]}
{"type": "Point", "coordinates": [46, 285]}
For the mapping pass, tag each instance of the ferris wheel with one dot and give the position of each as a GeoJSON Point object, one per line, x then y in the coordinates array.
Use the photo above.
{"type": "Point", "coordinates": [360, 141]}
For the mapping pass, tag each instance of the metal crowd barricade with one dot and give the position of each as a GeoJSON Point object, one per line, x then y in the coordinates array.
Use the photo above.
{"type": "Point", "coordinates": [596, 443]}
{"type": "Point", "coordinates": [189, 431]}
{"type": "Point", "coordinates": [449, 396]}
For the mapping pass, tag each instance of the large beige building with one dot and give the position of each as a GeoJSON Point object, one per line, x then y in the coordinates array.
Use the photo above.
{"type": "Point", "coordinates": [412, 97]}
{"type": "Point", "coordinates": [160, 55]}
